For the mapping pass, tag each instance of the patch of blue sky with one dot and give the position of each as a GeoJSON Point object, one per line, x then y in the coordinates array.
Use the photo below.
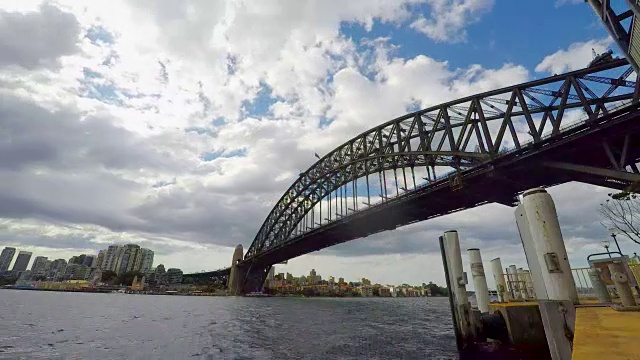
{"type": "Point", "coordinates": [98, 34]}
{"type": "Point", "coordinates": [324, 122]}
{"type": "Point", "coordinates": [509, 33]}
{"type": "Point", "coordinates": [259, 105]}
{"type": "Point", "coordinates": [219, 121]}
{"type": "Point", "coordinates": [413, 106]}
{"type": "Point", "coordinates": [100, 90]}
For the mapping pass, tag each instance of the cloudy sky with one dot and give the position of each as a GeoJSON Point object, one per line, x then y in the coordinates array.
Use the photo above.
{"type": "Point", "coordinates": [178, 124]}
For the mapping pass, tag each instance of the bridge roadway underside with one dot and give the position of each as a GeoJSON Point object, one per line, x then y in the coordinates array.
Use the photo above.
{"type": "Point", "coordinates": [499, 180]}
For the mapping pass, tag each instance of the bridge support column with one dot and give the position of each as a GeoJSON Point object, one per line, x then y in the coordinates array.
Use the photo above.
{"type": "Point", "coordinates": [554, 285]}
{"type": "Point", "coordinates": [456, 283]}
{"type": "Point", "coordinates": [237, 274]}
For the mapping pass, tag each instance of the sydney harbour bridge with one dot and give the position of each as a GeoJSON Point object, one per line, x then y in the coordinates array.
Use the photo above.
{"type": "Point", "coordinates": [487, 148]}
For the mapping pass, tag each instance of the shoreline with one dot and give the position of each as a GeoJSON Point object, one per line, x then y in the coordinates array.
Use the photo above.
{"type": "Point", "coordinates": [113, 291]}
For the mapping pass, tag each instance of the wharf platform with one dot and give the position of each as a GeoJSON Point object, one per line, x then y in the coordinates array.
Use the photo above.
{"type": "Point", "coordinates": [604, 333]}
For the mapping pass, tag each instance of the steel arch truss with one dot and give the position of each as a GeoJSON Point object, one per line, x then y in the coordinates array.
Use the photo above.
{"type": "Point", "coordinates": [620, 22]}
{"type": "Point", "coordinates": [453, 136]}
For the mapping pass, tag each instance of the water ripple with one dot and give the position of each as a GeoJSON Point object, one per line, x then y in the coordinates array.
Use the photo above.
{"type": "Point", "coordinates": [49, 325]}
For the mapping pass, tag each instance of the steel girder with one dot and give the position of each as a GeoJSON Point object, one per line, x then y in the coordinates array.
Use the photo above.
{"type": "Point", "coordinates": [621, 25]}
{"type": "Point", "coordinates": [458, 135]}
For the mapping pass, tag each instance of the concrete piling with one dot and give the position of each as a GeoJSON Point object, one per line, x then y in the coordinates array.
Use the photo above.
{"type": "Point", "coordinates": [456, 283]}
{"type": "Point", "coordinates": [546, 254]}
{"type": "Point", "coordinates": [479, 279]}
{"type": "Point", "coordinates": [498, 278]}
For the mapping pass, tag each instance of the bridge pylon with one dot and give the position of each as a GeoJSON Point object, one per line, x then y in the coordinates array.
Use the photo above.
{"type": "Point", "coordinates": [237, 274]}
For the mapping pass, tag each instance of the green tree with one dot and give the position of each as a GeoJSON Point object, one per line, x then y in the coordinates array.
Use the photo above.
{"type": "Point", "coordinates": [437, 290]}
{"type": "Point", "coordinates": [108, 276]}
{"type": "Point", "coordinates": [8, 281]}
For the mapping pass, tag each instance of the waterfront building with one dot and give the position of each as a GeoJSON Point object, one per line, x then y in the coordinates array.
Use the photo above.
{"type": "Point", "coordinates": [384, 292]}
{"type": "Point", "coordinates": [77, 272]}
{"type": "Point", "coordinates": [111, 257]}
{"type": "Point", "coordinates": [127, 258]}
{"type": "Point", "coordinates": [366, 290]}
{"type": "Point", "coordinates": [160, 275]}
{"type": "Point", "coordinates": [312, 276]}
{"type": "Point", "coordinates": [22, 261]}
{"type": "Point", "coordinates": [341, 280]}
{"type": "Point", "coordinates": [88, 260]}
{"type": "Point", "coordinates": [174, 276]}
{"type": "Point", "coordinates": [40, 266]}
{"type": "Point", "coordinates": [6, 257]}
{"type": "Point", "coordinates": [57, 269]}
{"type": "Point", "coordinates": [147, 260]}
{"type": "Point", "coordinates": [100, 259]}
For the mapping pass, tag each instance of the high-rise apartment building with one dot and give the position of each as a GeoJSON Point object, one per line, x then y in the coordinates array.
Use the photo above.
{"type": "Point", "coordinates": [22, 261]}
{"type": "Point", "coordinates": [57, 269]}
{"type": "Point", "coordinates": [127, 258]}
{"type": "Point", "coordinates": [123, 259]}
{"type": "Point", "coordinates": [6, 257]}
{"type": "Point", "coordinates": [174, 276]}
{"type": "Point", "coordinates": [100, 259]}
{"type": "Point", "coordinates": [312, 276]}
{"type": "Point", "coordinates": [40, 266]}
{"type": "Point", "coordinates": [146, 260]}
{"type": "Point", "coordinates": [111, 258]}
{"type": "Point", "coordinates": [88, 260]}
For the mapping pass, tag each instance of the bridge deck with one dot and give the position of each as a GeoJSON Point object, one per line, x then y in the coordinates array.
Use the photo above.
{"type": "Point", "coordinates": [603, 333]}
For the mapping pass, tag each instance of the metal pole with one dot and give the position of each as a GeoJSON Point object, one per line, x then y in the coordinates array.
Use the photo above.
{"type": "Point", "coordinates": [616, 241]}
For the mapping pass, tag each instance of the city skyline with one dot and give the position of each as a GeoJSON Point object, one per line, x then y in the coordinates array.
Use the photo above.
{"type": "Point", "coordinates": [119, 259]}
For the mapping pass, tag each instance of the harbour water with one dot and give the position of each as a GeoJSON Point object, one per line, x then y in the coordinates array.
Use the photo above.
{"type": "Point", "coordinates": [52, 325]}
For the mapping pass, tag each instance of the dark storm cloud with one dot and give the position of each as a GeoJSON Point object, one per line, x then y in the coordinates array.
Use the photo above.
{"type": "Point", "coordinates": [33, 135]}
{"type": "Point", "coordinates": [74, 241]}
{"type": "Point", "coordinates": [37, 39]}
